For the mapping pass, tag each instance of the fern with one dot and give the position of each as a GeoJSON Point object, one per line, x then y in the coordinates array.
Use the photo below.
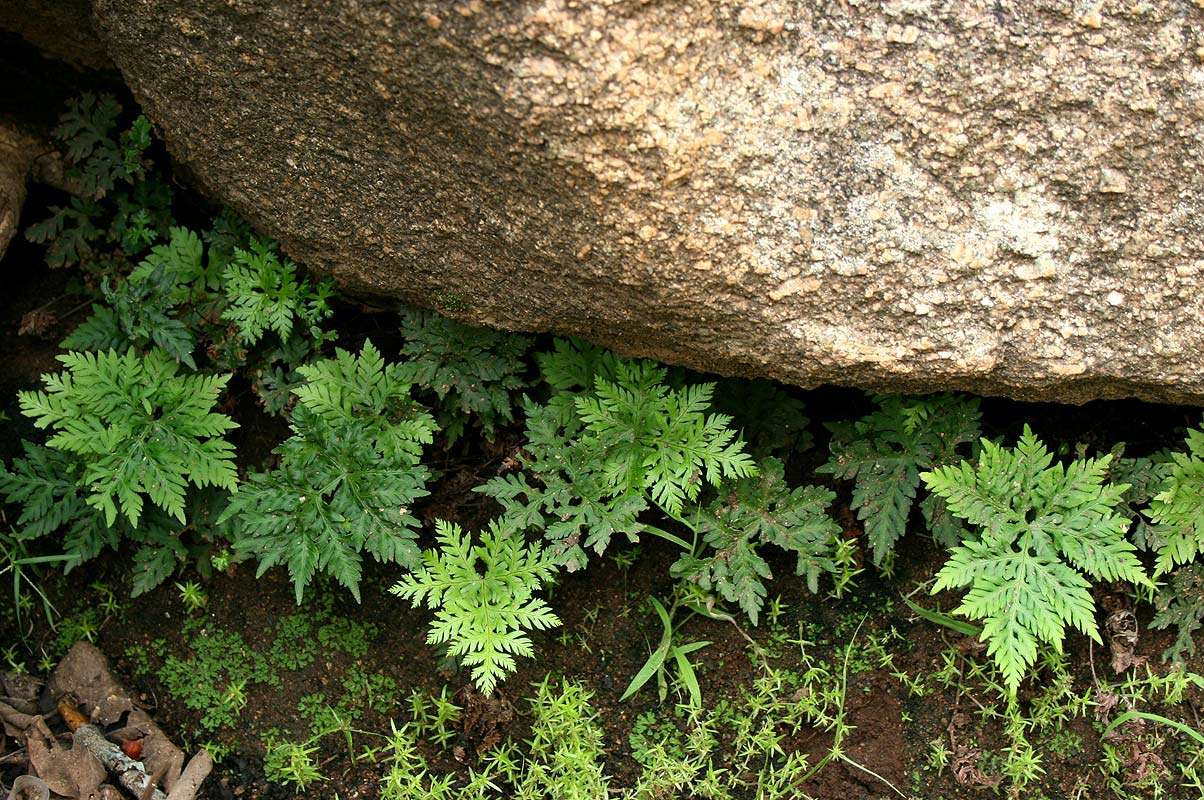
{"type": "Point", "coordinates": [660, 441]}
{"type": "Point", "coordinates": [475, 372]}
{"type": "Point", "coordinates": [1041, 527]}
{"type": "Point", "coordinates": [771, 421]}
{"type": "Point", "coordinates": [1177, 510]}
{"type": "Point", "coordinates": [145, 310]}
{"type": "Point", "coordinates": [572, 503]}
{"type": "Point", "coordinates": [347, 478]}
{"type": "Point", "coordinates": [594, 460]}
{"type": "Point", "coordinates": [760, 511]}
{"type": "Point", "coordinates": [138, 427]}
{"type": "Point", "coordinates": [883, 454]}
{"type": "Point", "coordinates": [264, 294]}
{"type": "Point", "coordinates": [485, 598]}
{"type": "Point", "coordinates": [102, 164]}
{"type": "Point", "coordinates": [46, 485]}
{"type": "Point", "coordinates": [1181, 603]}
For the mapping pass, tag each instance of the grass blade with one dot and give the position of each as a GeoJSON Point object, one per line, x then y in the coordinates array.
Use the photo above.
{"type": "Point", "coordinates": [1131, 715]}
{"type": "Point", "coordinates": [953, 624]}
{"type": "Point", "coordinates": [657, 658]}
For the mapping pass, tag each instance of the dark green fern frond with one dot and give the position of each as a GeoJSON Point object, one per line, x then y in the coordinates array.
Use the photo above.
{"type": "Point", "coordinates": [883, 454]}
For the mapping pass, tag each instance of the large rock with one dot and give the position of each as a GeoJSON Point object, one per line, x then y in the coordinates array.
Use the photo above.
{"type": "Point", "coordinates": [1004, 197]}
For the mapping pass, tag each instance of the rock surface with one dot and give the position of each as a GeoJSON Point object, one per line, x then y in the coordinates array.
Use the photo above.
{"type": "Point", "coordinates": [1002, 197]}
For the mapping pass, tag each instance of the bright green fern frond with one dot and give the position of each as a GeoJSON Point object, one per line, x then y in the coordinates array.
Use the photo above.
{"type": "Point", "coordinates": [138, 427]}
{"type": "Point", "coordinates": [1041, 527]}
{"type": "Point", "coordinates": [1178, 508]}
{"type": "Point", "coordinates": [484, 598]}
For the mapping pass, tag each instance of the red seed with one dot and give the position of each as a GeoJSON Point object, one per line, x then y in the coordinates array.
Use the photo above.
{"type": "Point", "coordinates": [132, 748]}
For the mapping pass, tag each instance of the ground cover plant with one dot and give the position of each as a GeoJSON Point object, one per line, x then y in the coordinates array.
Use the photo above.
{"type": "Point", "coordinates": [391, 555]}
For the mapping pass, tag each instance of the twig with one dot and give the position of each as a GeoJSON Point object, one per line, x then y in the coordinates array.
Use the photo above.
{"type": "Point", "coordinates": [130, 774]}
{"type": "Point", "coordinates": [192, 777]}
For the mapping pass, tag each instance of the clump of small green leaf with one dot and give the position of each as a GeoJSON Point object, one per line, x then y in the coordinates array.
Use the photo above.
{"type": "Point", "coordinates": [759, 511]}
{"type": "Point", "coordinates": [1181, 603]}
{"type": "Point", "coordinates": [476, 373]}
{"type": "Point", "coordinates": [884, 453]}
{"type": "Point", "coordinates": [1177, 510]}
{"type": "Point", "coordinates": [613, 438]}
{"type": "Point", "coordinates": [138, 428]}
{"type": "Point", "coordinates": [102, 164]}
{"type": "Point", "coordinates": [1041, 526]}
{"type": "Point", "coordinates": [485, 598]}
{"type": "Point", "coordinates": [660, 441]}
{"type": "Point", "coordinates": [348, 476]}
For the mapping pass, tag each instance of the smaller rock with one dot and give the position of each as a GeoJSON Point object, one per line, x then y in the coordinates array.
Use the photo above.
{"type": "Point", "coordinates": [1041, 267]}
{"type": "Point", "coordinates": [898, 34]}
{"type": "Point", "coordinates": [1115, 299]}
{"type": "Point", "coordinates": [761, 20]}
{"type": "Point", "coordinates": [1113, 181]}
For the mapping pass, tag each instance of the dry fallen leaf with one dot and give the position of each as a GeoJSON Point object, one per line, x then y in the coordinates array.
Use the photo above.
{"type": "Point", "coordinates": [70, 772]}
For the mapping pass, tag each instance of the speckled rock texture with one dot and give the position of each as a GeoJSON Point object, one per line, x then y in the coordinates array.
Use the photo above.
{"type": "Point", "coordinates": [1004, 197]}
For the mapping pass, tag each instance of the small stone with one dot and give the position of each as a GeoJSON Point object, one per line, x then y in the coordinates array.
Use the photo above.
{"type": "Point", "coordinates": [434, 22]}
{"type": "Point", "coordinates": [897, 34]}
{"type": "Point", "coordinates": [1092, 19]}
{"type": "Point", "coordinates": [1041, 267]}
{"type": "Point", "coordinates": [760, 20]}
{"type": "Point", "coordinates": [1115, 299]}
{"type": "Point", "coordinates": [1113, 181]}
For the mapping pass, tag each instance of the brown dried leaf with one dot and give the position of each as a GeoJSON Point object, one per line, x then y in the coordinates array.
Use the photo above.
{"type": "Point", "coordinates": [14, 720]}
{"type": "Point", "coordinates": [84, 673]}
{"type": "Point", "coordinates": [25, 688]}
{"type": "Point", "coordinates": [69, 772]}
{"type": "Point", "coordinates": [1121, 627]}
{"type": "Point", "coordinates": [37, 323]}
{"type": "Point", "coordinates": [964, 765]}
{"type": "Point", "coordinates": [27, 787]}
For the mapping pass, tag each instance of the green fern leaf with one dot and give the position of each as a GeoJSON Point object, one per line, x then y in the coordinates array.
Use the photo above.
{"type": "Point", "coordinates": [1041, 527]}
{"type": "Point", "coordinates": [138, 427]}
{"type": "Point", "coordinates": [484, 598]}
{"type": "Point", "coordinates": [761, 511]}
{"type": "Point", "coordinates": [884, 453]}
{"type": "Point", "coordinates": [347, 479]}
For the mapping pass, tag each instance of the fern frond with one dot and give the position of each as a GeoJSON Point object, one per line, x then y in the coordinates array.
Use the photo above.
{"type": "Point", "coordinates": [1178, 508]}
{"type": "Point", "coordinates": [1042, 526]}
{"type": "Point", "coordinates": [137, 426]}
{"type": "Point", "coordinates": [884, 452]}
{"type": "Point", "coordinates": [484, 598]}
{"type": "Point", "coordinates": [347, 479]}
{"type": "Point", "coordinates": [760, 511]}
